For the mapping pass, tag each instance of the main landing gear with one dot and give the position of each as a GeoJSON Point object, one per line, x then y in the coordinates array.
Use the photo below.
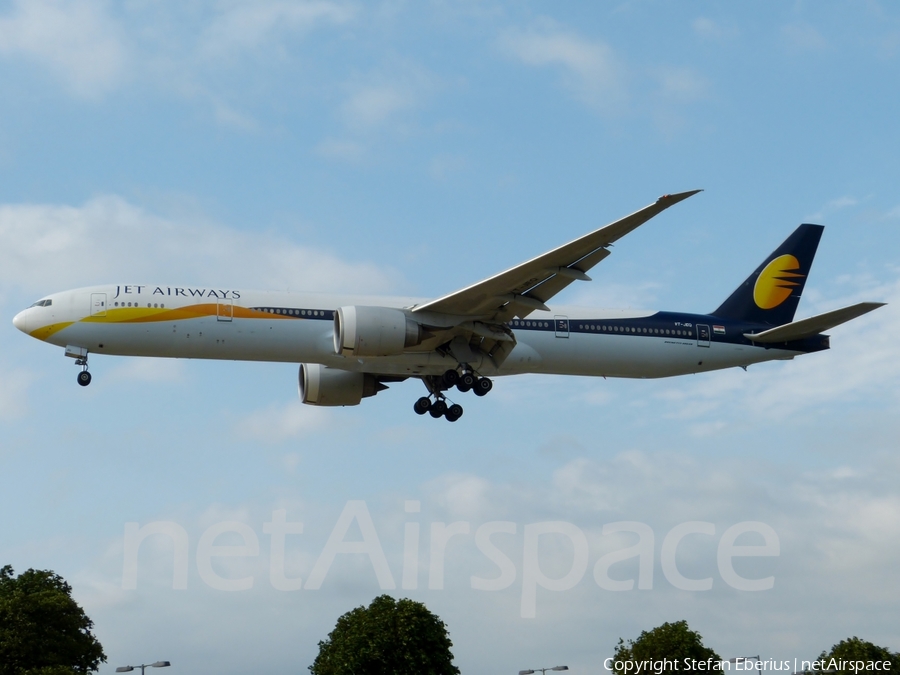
{"type": "Point", "coordinates": [438, 408]}
{"type": "Point", "coordinates": [464, 381]}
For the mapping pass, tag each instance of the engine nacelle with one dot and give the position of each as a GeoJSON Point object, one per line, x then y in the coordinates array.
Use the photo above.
{"type": "Point", "coordinates": [373, 331]}
{"type": "Point", "coordinates": [319, 385]}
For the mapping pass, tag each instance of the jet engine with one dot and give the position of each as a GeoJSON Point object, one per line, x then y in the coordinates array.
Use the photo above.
{"type": "Point", "coordinates": [319, 385]}
{"type": "Point", "coordinates": [374, 331]}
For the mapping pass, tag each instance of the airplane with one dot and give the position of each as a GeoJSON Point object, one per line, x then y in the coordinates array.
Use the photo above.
{"type": "Point", "coordinates": [351, 346]}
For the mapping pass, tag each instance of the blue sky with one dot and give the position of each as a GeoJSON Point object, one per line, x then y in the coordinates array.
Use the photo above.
{"type": "Point", "coordinates": [414, 148]}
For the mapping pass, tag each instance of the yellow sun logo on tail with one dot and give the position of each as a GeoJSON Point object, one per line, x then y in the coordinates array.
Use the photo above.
{"type": "Point", "coordinates": [774, 285]}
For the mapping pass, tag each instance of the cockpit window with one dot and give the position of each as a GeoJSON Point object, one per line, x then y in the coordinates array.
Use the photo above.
{"type": "Point", "coordinates": [43, 303]}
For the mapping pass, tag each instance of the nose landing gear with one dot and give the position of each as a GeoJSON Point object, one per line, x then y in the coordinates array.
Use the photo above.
{"type": "Point", "coordinates": [80, 354]}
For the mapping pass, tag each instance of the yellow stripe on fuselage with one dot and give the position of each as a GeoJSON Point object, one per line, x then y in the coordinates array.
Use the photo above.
{"type": "Point", "coordinates": [156, 314]}
{"type": "Point", "coordinates": [44, 332]}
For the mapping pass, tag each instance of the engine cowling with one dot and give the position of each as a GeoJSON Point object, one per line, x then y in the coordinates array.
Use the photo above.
{"type": "Point", "coordinates": [323, 386]}
{"type": "Point", "coordinates": [374, 331]}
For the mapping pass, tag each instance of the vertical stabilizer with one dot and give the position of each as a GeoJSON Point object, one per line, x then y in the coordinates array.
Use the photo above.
{"type": "Point", "coordinates": [770, 295]}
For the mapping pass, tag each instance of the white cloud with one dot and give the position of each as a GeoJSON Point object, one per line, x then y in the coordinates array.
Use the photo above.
{"type": "Point", "coordinates": [803, 37]}
{"type": "Point", "coordinates": [675, 87]}
{"type": "Point", "coordinates": [862, 363]}
{"type": "Point", "coordinates": [229, 117]}
{"type": "Point", "coordinates": [14, 387]}
{"type": "Point", "coordinates": [682, 85]}
{"type": "Point", "coordinates": [382, 102]}
{"type": "Point", "coordinates": [282, 422]}
{"type": "Point", "coordinates": [713, 30]}
{"type": "Point", "coordinates": [843, 202]}
{"type": "Point", "coordinates": [244, 25]}
{"type": "Point", "coordinates": [147, 370]}
{"type": "Point", "coordinates": [839, 533]}
{"type": "Point", "coordinates": [383, 96]}
{"type": "Point", "coordinates": [45, 248]}
{"type": "Point", "coordinates": [373, 105]}
{"type": "Point", "coordinates": [94, 46]}
{"type": "Point", "coordinates": [590, 68]}
{"type": "Point", "coordinates": [443, 167]}
{"type": "Point", "coordinates": [76, 39]}
{"type": "Point", "coordinates": [598, 77]}
{"type": "Point", "coordinates": [341, 150]}
{"type": "Point", "coordinates": [461, 495]}
{"type": "Point", "coordinates": [618, 296]}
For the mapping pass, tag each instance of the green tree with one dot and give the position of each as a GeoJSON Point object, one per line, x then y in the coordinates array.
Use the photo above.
{"type": "Point", "coordinates": [673, 641]}
{"type": "Point", "coordinates": [854, 650]}
{"type": "Point", "coordinates": [43, 631]}
{"type": "Point", "coordinates": [389, 637]}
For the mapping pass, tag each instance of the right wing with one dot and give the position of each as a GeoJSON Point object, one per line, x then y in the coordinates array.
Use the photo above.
{"type": "Point", "coordinates": [526, 287]}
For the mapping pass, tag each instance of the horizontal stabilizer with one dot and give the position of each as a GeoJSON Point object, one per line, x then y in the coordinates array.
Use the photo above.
{"type": "Point", "coordinates": [814, 325]}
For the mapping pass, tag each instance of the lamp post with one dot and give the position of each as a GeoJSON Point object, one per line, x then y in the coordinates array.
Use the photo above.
{"type": "Point", "coordinates": [158, 664]}
{"type": "Point", "coordinates": [543, 670]}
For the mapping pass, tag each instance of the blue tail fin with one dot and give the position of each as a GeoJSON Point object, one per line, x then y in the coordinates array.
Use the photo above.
{"type": "Point", "coordinates": [770, 295]}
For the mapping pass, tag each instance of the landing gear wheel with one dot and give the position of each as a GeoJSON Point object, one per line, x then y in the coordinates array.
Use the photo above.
{"type": "Point", "coordinates": [422, 405]}
{"type": "Point", "coordinates": [84, 378]}
{"type": "Point", "coordinates": [483, 386]}
{"type": "Point", "coordinates": [466, 382]}
{"type": "Point", "coordinates": [454, 412]}
{"type": "Point", "coordinates": [450, 378]}
{"type": "Point", "coordinates": [438, 408]}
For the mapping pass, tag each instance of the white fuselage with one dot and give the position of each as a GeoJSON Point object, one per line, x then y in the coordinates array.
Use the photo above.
{"type": "Point", "coordinates": [229, 324]}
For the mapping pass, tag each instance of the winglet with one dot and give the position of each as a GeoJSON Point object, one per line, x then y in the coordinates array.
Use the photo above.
{"type": "Point", "coordinates": [669, 200]}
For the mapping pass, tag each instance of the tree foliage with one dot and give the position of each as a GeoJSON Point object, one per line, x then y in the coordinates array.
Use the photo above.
{"type": "Point", "coordinates": [389, 637]}
{"type": "Point", "coordinates": [854, 650]}
{"type": "Point", "coordinates": [673, 641]}
{"type": "Point", "coordinates": [43, 631]}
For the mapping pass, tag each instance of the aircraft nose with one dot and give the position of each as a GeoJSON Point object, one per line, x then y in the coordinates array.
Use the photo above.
{"type": "Point", "coordinates": [20, 322]}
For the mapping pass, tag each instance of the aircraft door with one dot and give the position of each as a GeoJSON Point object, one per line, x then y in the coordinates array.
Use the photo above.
{"type": "Point", "coordinates": [702, 335]}
{"type": "Point", "coordinates": [98, 304]}
{"type": "Point", "coordinates": [225, 310]}
{"type": "Point", "coordinates": [562, 326]}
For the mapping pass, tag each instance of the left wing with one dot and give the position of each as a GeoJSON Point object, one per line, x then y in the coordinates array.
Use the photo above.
{"type": "Point", "coordinates": [524, 288]}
